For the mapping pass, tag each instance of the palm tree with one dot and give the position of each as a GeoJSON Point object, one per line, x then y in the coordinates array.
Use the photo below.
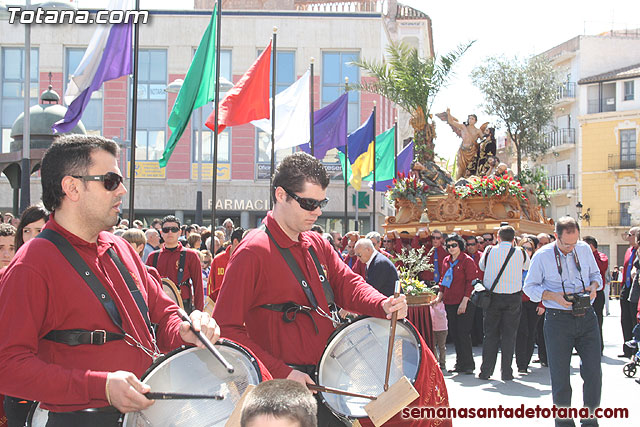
{"type": "Point", "coordinates": [412, 83]}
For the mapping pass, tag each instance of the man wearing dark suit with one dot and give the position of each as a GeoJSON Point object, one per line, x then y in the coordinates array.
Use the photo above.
{"type": "Point", "coordinates": [380, 272]}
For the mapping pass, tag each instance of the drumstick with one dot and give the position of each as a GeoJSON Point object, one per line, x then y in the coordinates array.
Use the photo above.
{"type": "Point", "coordinates": [172, 396]}
{"type": "Point", "coordinates": [392, 337]}
{"type": "Point", "coordinates": [337, 391]}
{"type": "Point", "coordinates": [204, 340]}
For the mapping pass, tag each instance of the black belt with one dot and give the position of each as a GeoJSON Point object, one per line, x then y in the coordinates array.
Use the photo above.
{"type": "Point", "coordinates": [568, 311]}
{"type": "Point", "coordinates": [290, 310]}
{"type": "Point", "coordinates": [82, 336]}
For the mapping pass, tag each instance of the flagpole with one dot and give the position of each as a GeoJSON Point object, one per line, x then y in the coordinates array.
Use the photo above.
{"type": "Point", "coordinates": [273, 112]}
{"type": "Point", "coordinates": [345, 226]}
{"type": "Point", "coordinates": [134, 122]}
{"type": "Point", "coordinates": [395, 149]}
{"type": "Point", "coordinates": [311, 107]}
{"type": "Point", "coordinates": [373, 219]}
{"type": "Point", "coordinates": [214, 182]}
{"type": "Point", "coordinates": [25, 169]}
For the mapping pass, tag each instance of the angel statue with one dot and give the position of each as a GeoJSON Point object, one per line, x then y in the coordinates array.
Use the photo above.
{"type": "Point", "coordinates": [468, 152]}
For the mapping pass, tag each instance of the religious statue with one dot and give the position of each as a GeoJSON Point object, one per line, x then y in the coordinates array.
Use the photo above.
{"type": "Point", "coordinates": [468, 152]}
{"type": "Point", "coordinates": [486, 161]}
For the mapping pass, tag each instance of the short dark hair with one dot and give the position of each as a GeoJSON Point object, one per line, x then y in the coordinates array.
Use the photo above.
{"type": "Point", "coordinates": [507, 233]}
{"type": "Point", "coordinates": [456, 238]}
{"type": "Point", "coordinates": [317, 228]}
{"type": "Point", "coordinates": [32, 214]}
{"type": "Point", "coordinates": [237, 234]}
{"type": "Point", "coordinates": [591, 241]}
{"type": "Point", "coordinates": [566, 223]}
{"type": "Point", "coordinates": [475, 240]}
{"type": "Point", "coordinates": [297, 169]}
{"type": "Point", "coordinates": [69, 155]}
{"type": "Point", "coordinates": [280, 398]}
{"type": "Point", "coordinates": [156, 221]}
{"type": "Point", "coordinates": [170, 218]}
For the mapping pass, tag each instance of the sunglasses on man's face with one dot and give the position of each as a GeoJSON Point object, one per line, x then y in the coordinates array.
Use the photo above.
{"type": "Point", "coordinates": [110, 180]}
{"type": "Point", "coordinates": [386, 241]}
{"type": "Point", "coordinates": [306, 203]}
{"type": "Point", "coordinates": [170, 229]}
{"type": "Point", "coordinates": [436, 237]}
{"type": "Point", "coordinates": [488, 239]}
{"type": "Point", "coordinates": [452, 245]}
{"type": "Point", "coordinates": [471, 243]}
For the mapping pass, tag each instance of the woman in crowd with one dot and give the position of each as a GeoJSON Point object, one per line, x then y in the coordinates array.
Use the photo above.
{"type": "Point", "coordinates": [194, 241]}
{"type": "Point", "coordinates": [31, 222]}
{"type": "Point", "coordinates": [455, 290]}
{"type": "Point", "coordinates": [529, 318]}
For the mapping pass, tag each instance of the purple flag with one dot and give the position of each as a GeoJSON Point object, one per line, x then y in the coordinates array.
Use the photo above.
{"type": "Point", "coordinates": [405, 158]}
{"type": "Point", "coordinates": [114, 63]}
{"type": "Point", "coordinates": [329, 127]}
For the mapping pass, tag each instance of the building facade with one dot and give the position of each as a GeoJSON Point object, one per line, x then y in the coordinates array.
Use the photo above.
{"type": "Point", "coordinates": [333, 33]}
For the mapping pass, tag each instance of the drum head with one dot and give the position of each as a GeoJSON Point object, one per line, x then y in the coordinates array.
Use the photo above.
{"type": "Point", "coordinates": [356, 357]}
{"type": "Point", "coordinates": [195, 370]}
{"type": "Point", "coordinates": [172, 291]}
{"type": "Point", "coordinates": [38, 417]}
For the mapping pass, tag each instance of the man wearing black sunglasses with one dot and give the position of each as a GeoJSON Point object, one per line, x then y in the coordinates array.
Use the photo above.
{"type": "Point", "coordinates": [181, 265]}
{"type": "Point", "coordinates": [82, 302]}
{"type": "Point", "coordinates": [282, 315]}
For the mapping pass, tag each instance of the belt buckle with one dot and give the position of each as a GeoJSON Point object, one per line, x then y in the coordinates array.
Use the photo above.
{"type": "Point", "coordinates": [102, 340]}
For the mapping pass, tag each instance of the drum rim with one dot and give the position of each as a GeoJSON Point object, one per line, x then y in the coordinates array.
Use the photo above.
{"type": "Point", "coordinates": [404, 322]}
{"type": "Point", "coordinates": [32, 411]}
{"type": "Point", "coordinates": [174, 289]}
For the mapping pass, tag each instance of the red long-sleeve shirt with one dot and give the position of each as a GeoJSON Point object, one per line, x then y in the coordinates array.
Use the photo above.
{"type": "Point", "coordinates": [167, 266]}
{"type": "Point", "coordinates": [257, 274]}
{"type": "Point", "coordinates": [463, 274]}
{"type": "Point", "coordinates": [356, 265]}
{"type": "Point", "coordinates": [218, 268]}
{"type": "Point", "coordinates": [41, 292]}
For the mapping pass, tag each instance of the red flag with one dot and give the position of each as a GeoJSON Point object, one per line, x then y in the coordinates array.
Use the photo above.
{"type": "Point", "coordinates": [248, 99]}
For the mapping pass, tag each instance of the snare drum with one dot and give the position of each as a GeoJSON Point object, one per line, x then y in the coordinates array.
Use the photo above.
{"type": "Point", "coordinates": [195, 370]}
{"type": "Point", "coordinates": [355, 360]}
{"type": "Point", "coordinates": [172, 291]}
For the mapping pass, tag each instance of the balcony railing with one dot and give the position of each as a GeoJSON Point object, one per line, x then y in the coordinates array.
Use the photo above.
{"type": "Point", "coordinates": [560, 137]}
{"type": "Point", "coordinates": [618, 162]}
{"type": "Point", "coordinates": [619, 219]}
{"type": "Point", "coordinates": [561, 182]}
{"type": "Point", "coordinates": [566, 90]}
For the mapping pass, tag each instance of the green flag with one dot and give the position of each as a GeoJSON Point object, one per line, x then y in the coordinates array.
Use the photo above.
{"type": "Point", "coordinates": [348, 169]}
{"type": "Point", "coordinates": [384, 157]}
{"type": "Point", "coordinates": [198, 89]}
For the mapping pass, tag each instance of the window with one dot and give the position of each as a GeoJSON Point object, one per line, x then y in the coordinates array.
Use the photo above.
{"type": "Point", "coordinates": [628, 91]}
{"type": "Point", "coordinates": [628, 149]}
{"type": "Point", "coordinates": [609, 97]}
{"type": "Point", "coordinates": [625, 216]}
{"type": "Point", "coordinates": [627, 194]}
{"type": "Point", "coordinates": [152, 104]}
{"type": "Point", "coordinates": [92, 115]}
{"type": "Point", "coordinates": [12, 92]}
{"type": "Point", "coordinates": [593, 99]}
{"type": "Point", "coordinates": [224, 139]}
{"type": "Point", "coordinates": [285, 77]}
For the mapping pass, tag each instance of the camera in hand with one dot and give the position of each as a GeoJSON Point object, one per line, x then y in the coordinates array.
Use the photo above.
{"type": "Point", "coordinates": [580, 301]}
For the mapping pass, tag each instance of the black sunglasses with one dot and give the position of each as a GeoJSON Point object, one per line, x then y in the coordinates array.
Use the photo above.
{"type": "Point", "coordinates": [452, 245]}
{"type": "Point", "coordinates": [110, 180]}
{"type": "Point", "coordinates": [488, 239]}
{"type": "Point", "coordinates": [306, 203]}
{"type": "Point", "coordinates": [170, 229]}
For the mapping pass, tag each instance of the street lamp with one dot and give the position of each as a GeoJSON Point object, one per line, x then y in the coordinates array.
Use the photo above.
{"type": "Point", "coordinates": [587, 214]}
{"type": "Point", "coordinates": [174, 87]}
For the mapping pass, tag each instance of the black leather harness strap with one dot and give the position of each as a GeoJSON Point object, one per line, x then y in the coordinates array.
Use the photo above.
{"type": "Point", "coordinates": [75, 337]}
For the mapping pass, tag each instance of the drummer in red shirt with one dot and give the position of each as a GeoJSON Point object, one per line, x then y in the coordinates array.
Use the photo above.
{"type": "Point", "coordinates": [219, 264]}
{"type": "Point", "coordinates": [58, 343]}
{"type": "Point", "coordinates": [259, 284]}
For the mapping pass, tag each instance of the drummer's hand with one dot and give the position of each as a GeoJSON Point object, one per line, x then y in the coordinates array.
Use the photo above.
{"type": "Point", "coordinates": [301, 377]}
{"type": "Point", "coordinates": [125, 392]}
{"type": "Point", "coordinates": [399, 304]}
{"type": "Point", "coordinates": [201, 322]}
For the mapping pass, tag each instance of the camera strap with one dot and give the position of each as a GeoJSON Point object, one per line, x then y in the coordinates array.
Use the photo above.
{"type": "Point", "coordinates": [556, 252]}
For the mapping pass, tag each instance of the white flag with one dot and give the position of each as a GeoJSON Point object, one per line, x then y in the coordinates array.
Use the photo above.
{"type": "Point", "coordinates": [292, 115]}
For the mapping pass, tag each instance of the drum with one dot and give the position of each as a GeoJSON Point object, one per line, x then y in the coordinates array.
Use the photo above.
{"type": "Point", "coordinates": [197, 371]}
{"type": "Point", "coordinates": [172, 291]}
{"type": "Point", "coordinates": [38, 417]}
{"type": "Point", "coordinates": [355, 359]}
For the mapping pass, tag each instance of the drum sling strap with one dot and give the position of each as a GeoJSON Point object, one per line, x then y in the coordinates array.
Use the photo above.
{"type": "Point", "coordinates": [290, 310]}
{"type": "Point", "coordinates": [75, 337]}
{"type": "Point", "coordinates": [183, 256]}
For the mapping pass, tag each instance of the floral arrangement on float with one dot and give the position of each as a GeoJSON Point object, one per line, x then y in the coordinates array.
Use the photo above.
{"type": "Point", "coordinates": [491, 186]}
{"type": "Point", "coordinates": [412, 262]}
{"type": "Point", "coordinates": [408, 195]}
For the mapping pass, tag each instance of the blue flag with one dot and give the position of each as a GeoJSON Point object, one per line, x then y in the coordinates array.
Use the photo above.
{"type": "Point", "coordinates": [330, 128]}
{"type": "Point", "coordinates": [405, 158]}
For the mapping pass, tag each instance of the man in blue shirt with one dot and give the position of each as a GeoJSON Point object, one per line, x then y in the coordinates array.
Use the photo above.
{"type": "Point", "coordinates": [557, 270]}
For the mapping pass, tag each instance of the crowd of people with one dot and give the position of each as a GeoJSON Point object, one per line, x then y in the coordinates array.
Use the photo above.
{"type": "Point", "coordinates": [280, 290]}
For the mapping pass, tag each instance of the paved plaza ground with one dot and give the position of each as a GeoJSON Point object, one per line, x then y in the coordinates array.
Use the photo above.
{"type": "Point", "coordinates": [534, 388]}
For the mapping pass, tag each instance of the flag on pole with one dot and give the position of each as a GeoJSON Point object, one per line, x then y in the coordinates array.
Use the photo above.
{"type": "Point", "coordinates": [292, 110]}
{"type": "Point", "coordinates": [361, 152]}
{"type": "Point", "coordinates": [198, 88]}
{"type": "Point", "coordinates": [330, 127]}
{"type": "Point", "coordinates": [248, 99]}
{"type": "Point", "coordinates": [384, 157]}
{"type": "Point", "coordinates": [108, 57]}
{"type": "Point", "coordinates": [405, 158]}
